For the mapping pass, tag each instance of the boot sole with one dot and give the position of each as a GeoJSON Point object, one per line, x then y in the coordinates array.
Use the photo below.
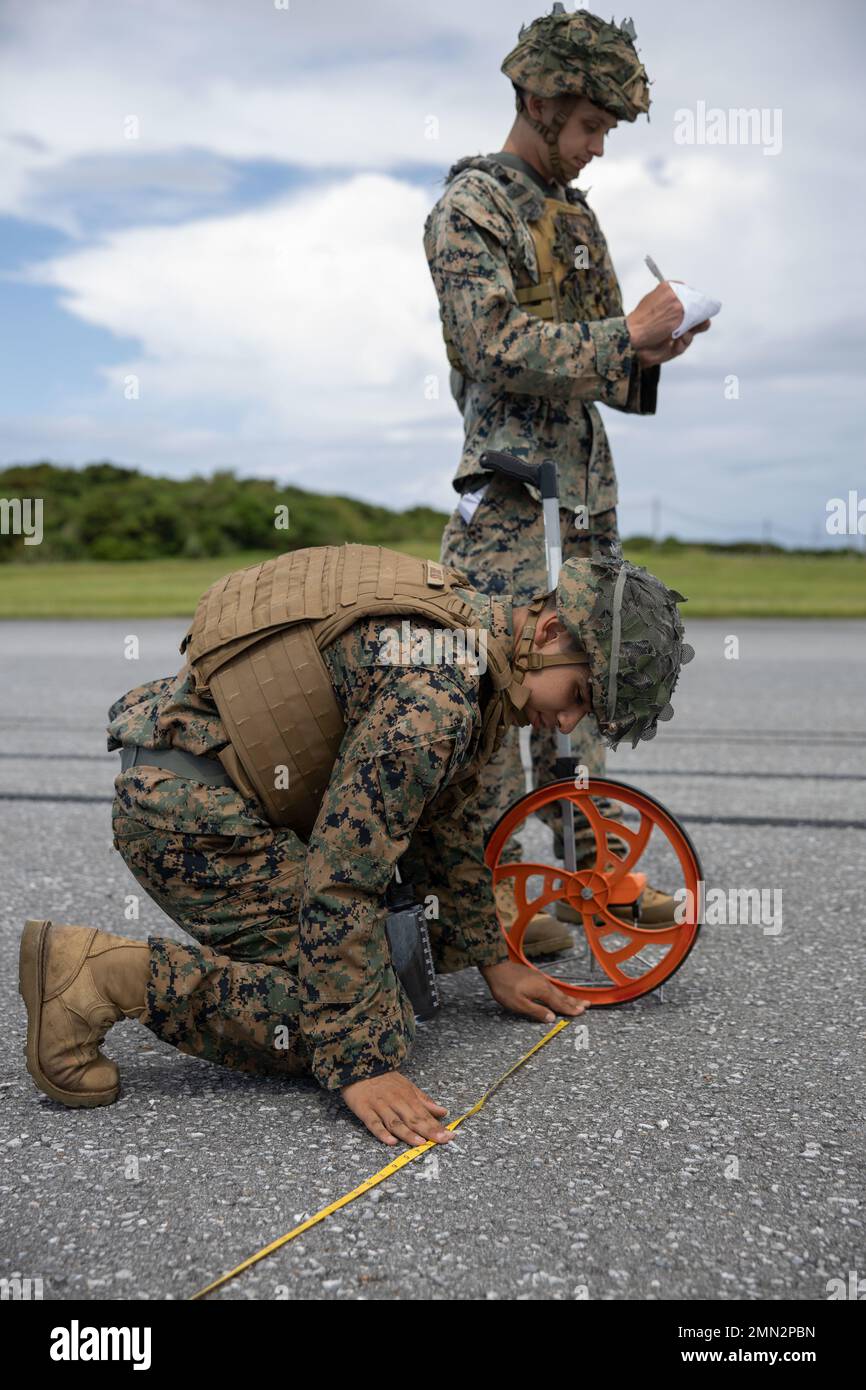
{"type": "Point", "coordinates": [31, 976]}
{"type": "Point", "coordinates": [563, 943]}
{"type": "Point", "coordinates": [568, 914]}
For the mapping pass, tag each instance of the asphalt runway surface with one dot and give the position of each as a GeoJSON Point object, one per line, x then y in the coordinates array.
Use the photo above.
{"type": "Point", "coordinates": [710, 1145]}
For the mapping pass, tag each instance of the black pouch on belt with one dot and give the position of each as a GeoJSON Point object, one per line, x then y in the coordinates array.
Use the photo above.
{"type": "Point", "coordinates": [409, 943]}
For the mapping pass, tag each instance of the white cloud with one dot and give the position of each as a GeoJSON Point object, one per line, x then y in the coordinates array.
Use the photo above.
{"type": "Point", "coordinates": [295, 337]}
{"type": "Point", "coordinates": [314, 311]}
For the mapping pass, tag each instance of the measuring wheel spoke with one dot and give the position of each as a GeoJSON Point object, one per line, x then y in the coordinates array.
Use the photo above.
{"type": "Point", "coordinates": [616, 958]}
{"type": "Point", "coordinates": [636, 840]}
{"type": "Point", "coordinates": [555, 886]}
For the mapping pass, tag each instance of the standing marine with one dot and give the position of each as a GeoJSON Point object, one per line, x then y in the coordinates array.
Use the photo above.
{"type": "Point", "coordinates": [268, 792]}
{"type": "Point", "coordinates": [537, 337]}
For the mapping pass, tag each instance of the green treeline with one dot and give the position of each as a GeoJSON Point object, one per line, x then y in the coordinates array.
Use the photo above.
{"type": "Point", "coordinates": [103, 512]}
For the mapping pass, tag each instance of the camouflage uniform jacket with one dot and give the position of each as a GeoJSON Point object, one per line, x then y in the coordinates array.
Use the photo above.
{"type": "Point", "coordinates": [408, 729]}
{"type": "Point", "coordinates": [530, 385]}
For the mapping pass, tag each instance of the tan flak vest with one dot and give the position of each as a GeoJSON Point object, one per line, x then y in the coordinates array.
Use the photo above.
{"type": "Point", "coordinates": [255, 645]}
{"type": "Point", "coordinates": [575, 281]}
{"type": "Point", "coordinates": [566, 292]}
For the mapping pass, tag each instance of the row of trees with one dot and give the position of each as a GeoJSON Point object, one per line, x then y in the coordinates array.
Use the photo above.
{"type": "Point", "coordinates": [103, 512]}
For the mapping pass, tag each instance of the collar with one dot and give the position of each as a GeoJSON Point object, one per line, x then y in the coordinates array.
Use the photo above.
{"type": "Point", "coordinates": [520, 166]}
{"type": "Point", "coordinates": [493, 612]}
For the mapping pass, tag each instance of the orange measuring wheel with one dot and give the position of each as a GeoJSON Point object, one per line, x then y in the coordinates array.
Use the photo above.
{"type": "Point", "coordinates": [614, 958]}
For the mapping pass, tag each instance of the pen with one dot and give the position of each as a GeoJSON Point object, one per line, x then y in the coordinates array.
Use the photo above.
{"type": "Point", "coordinates": [654, 268]}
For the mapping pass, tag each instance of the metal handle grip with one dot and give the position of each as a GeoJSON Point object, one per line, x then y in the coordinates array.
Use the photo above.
{"type": "Point", "coordinates": [540, 475]}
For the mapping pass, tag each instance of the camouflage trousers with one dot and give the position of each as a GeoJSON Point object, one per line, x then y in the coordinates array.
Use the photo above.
{"type": "Point", "coordinates": [231, 995]}
{"type": "Point", "coordinates": [501, 551]}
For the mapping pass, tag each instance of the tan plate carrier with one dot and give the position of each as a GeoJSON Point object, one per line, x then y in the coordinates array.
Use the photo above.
{"type": "Point", "coordinates": [255, 644]}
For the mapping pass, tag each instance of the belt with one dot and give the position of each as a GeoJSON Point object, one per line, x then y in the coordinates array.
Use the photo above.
{"type": "Point", "coordinates": [192, 765]}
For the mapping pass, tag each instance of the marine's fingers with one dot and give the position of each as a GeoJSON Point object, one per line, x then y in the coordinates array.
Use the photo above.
{"type": "Point", "coordinates": [431, 1104]}
{"type": "Point", "coordinates": [566, 1003]}
{"type": "Point", "coordinates": [538, 1011]}
{"type": "Point", "coordinates": [422, 1123]}
{"type": "Point", "coordinates": [376, 1126]}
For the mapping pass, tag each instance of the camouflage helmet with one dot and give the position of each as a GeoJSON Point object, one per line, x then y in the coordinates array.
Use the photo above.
{"type": "Point", "coordinates": [627, 622]}
{"type": "Point", "coordinates": [563, 54]}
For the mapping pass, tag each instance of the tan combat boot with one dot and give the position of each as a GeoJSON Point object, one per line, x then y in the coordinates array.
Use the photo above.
{"type": "Point", "coordinates": [77, 982]}
{"type": "Point", "coordinates": [655, 911]}
{"type": "Point", "coordinates": [544, 935]}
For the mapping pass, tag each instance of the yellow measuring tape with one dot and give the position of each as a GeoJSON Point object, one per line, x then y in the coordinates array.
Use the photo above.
{"type": "Point", "coordinates": [408, 1157]}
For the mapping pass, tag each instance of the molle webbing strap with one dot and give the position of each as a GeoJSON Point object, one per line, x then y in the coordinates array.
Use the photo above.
{"type": "Point", "coordinates": [536, 662]}
{"type": "Point", "coordinates": [386, 585]}
{"type": "Point", "coordinates": [195, 766]}
{"type": "Point", "coordinates": [210, 609]}
{"type": "Point", "coordinates": [350, 578]}
{"type": "Point", "coordinates": [519, 694]}
{"type": "Point", "coordinates": [240, 608]}
{"type": "Point", "coordinates": [537, 299]}
{"type": "Point", "coordinates": [527, 660]}
{"type": "Point", "coordinates": [271, 686]}
{"type": "Point", "coordinates": [280, 714]}
{"type": "Point", "coordinates": [376, 581]}
{"type": "Point", "coordinates": [543, 299]}
{"type": "Point", "coordinates": [526, 202]}
{"type": "Point", "coordinates": [246, 596]}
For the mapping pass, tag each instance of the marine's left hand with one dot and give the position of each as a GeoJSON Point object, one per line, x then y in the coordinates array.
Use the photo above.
{"type": "Point", "coordinates": [671, 348]}
{"type": "Point", "coordinates": [525, 991]}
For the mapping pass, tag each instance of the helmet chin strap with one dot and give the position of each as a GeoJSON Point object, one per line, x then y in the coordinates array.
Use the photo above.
{"type": "Point", "coordinates": [527, 660]}
{"type": "Point", "coordinates": [551, 134]}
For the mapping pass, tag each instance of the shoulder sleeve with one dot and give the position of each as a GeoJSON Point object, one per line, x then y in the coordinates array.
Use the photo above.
{"type": "Point", "coordinates": [395, 756]}
{"type": "Point", "coordinates": [475, 197]}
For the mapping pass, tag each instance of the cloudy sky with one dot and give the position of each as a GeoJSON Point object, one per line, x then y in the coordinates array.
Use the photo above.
{"type": "Point", "coordinates": [224, 199]}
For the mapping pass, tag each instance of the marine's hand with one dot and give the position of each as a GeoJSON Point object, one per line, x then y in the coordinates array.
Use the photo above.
{"type": "Point", "coordinates": [393, 1108]}
{"type": "Point", "coordinates": [655, 318]}
{"type": "Point", "coordinates": [525, 991]}
{"type": "Point", "coordinates": [665, 352]}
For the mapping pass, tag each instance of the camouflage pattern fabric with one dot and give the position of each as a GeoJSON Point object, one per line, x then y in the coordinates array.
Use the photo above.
{"type": "Point", "coordinates": [528, 386]}
{"type": "Point", "coordinates": [579, 54]}
{"type": "Point", "coordinates": [628, 622]}
{"type": "Point", "coordinates": [501, 550]}
{"type": "Point", "coordinates": [290, 970]}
